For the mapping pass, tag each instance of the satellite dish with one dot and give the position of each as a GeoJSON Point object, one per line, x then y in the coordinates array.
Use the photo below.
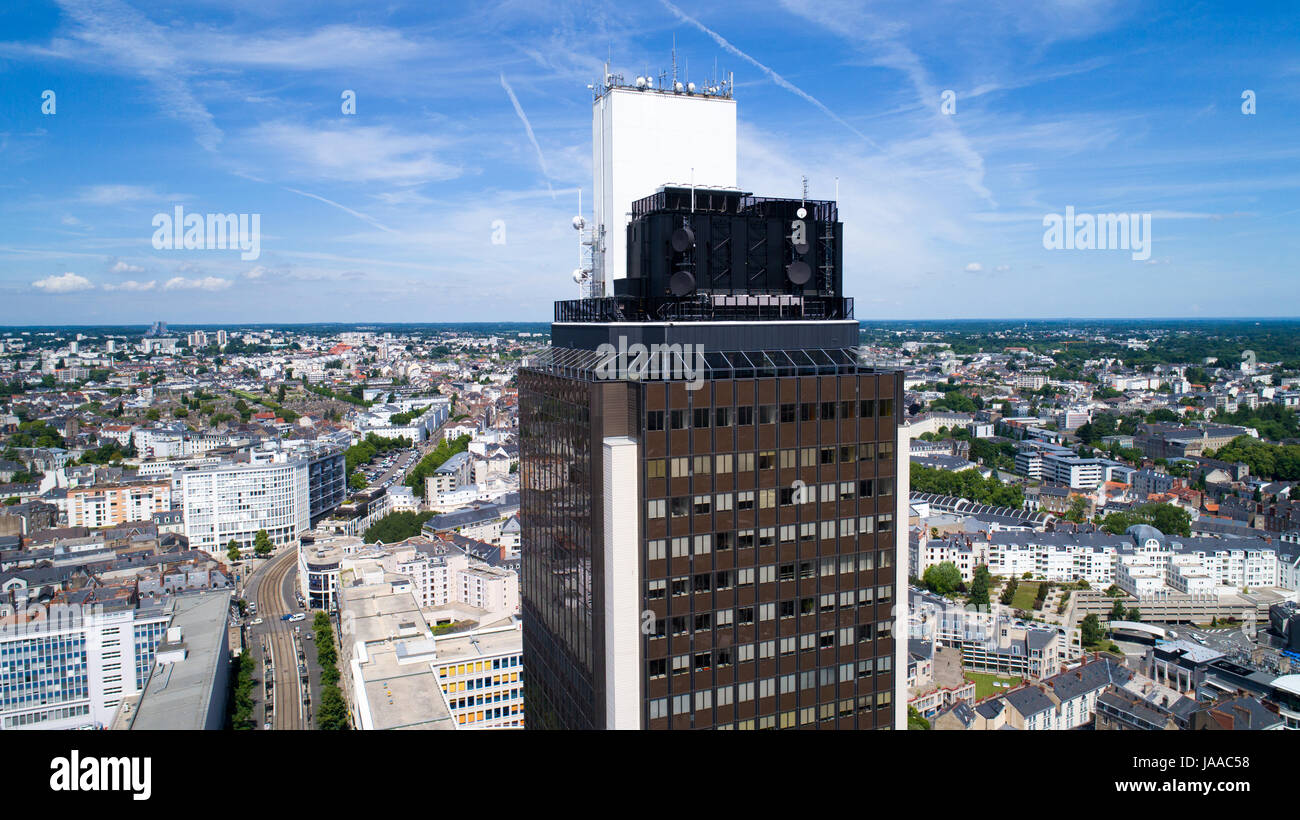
{"type": "Point", "coordinates": [681, 283]}
{"type": "Point", "coordinates": [683, 239]}
{"type": "Point", "coordinates": [690, 87]}
{"type": "Point", "coordinates": [798, 272]}
{"type": "Point", "coordinates": [640, 82]}
{"type": "Point", "coordinates": [801, 213]}
{"type": "Point", "coordinates": [579, 223]}
{"type": "Point", "coordinates": [677, 87]}
{"type": "Point", "coordinates": [579, 275]}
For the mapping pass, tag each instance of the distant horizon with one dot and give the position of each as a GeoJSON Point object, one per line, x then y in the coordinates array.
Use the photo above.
{"type": "Point", "coordinates": [485, 323]}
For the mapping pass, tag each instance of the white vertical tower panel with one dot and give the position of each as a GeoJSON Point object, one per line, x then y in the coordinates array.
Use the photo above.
{"type": "Point", "coordinates": [622, 541]}
{"type": "Point", "coordinates": [902, 481]}
{"type": "Point", "coordinates": [642, 139]}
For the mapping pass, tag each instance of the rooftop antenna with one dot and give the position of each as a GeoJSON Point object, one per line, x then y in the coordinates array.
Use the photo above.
{"type": "Point", "coordinates": [804, 199]}
{"type": "Point", "coordinates": [692, 190]}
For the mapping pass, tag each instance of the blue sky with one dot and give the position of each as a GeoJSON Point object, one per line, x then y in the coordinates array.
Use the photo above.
{"type": "Point", "coordinates": [387, 215]}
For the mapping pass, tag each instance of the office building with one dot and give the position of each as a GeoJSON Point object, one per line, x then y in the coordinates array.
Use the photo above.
{"type": "Point", "coordinates": [69, 666]}
{"type": "Point", "coordinates": [707, 447]}
{"type": "Point", "coordinates": [233, 500]}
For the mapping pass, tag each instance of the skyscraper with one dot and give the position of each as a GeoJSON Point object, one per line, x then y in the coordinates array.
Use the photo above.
{"type": "Point", "coordinates": [712, 495]}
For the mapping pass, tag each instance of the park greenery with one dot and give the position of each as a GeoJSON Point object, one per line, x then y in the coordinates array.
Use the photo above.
{"type": "Point", "coordinates": [396, 526]}
{"type": "Point", "coordinates": [1167, 518]}
{"type": "Point", "coordinates": [433, 460]}
{"type": "Point", "coordinates": [968, 484]}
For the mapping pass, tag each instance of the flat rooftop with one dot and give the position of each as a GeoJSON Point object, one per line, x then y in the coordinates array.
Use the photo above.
{"type": "Point", "coordinates": [398, 687]}
{"type": "Point", "coordinates": [179, 695]}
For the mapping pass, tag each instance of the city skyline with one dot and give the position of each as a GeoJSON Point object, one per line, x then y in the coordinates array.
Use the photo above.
{"type": "Point", "coordinates": [448, 194]}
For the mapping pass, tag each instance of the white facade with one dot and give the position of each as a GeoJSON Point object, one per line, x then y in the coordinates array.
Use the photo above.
{"type": "Point", "coordinates": [71, 668]}
{"type": "Point", "coordinates": [233, 500]}
{"type": "Point", "coordinates": [642, 139]}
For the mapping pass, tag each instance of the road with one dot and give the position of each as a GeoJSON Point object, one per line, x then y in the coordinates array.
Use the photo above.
{"type": "Point", "coordinates": [276, 644]}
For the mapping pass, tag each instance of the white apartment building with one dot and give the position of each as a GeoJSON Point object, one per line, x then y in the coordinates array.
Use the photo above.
{"type": "Point", "coordinates": [234, 500]}
{"type": "Point", "coordinates": [441, 575]}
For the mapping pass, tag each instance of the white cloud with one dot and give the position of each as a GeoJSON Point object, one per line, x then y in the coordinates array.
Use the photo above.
{"type": "Point", "coordinates": [351, 154]}
{"type": "Point", "coordinates": [974, 267]}
{"type": "Point", "coordinates": [208, 283]}
{"type": "Point", "coordinates": [132, 285]}
{"type": "Point", "coordinates": [67, 283]}
{"type": "Point", "coordinates": [1002, 268]}
{"type": "Point", "coordinates": [115, 194]}
{"type": "Point", "coordinates": [124, 267]}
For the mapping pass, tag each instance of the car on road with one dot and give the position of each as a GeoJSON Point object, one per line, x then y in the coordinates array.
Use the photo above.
{"type": "Point", "coordinates": [297, 616]}
{"type": "Point", "coordinates": [286, 617]}
{"type": "Point", "coordinates": [255, 622]}
{"type": "Point", "coordinates": [308, 636]}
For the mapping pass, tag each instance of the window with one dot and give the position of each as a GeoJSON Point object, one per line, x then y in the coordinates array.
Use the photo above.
{"type": "Point", "coordinates": [700, 417]}
{"type": "Point", "coordinates": [867, 408]}
{"type": "Point", "coordinates": [658, 708]}
{"type": "Point", "coordinates": [654, 420]}
{"type": "Point", "coordinates": [789, 459]}
{"type": "Point", "coordinates": [658, 668]}
{"type": "Point", "coordinates": [744, 415]}
{"type": "Point", "coordinates": [767, 414]}
{"type": "Point", "coordinates": [886, 486]}
{"type": "Point", "coordinates": [655, 549]}
{"type": "Point", "coordinates": [681, 547]}
{"type": "Point", "coordinates": [808, 457]}
{"type": "Point", "coordinates": [681, 586]}
{"type": "Point", "coordinates": [867, 487]}
{"type": "Point", "coordinates": [827, 455]}
{"type": "Point", "coordinates": [745, 500]}
{"type": "Point", "coordinates": [677, 419]}
{"type": "Point", "coordinates": [722, 463]}
{"type": "Point", "coordinates": [767, 460]}
{"type": "Point", "coordinates": [744, 462]}
{"type": "Point", "coordinates": [886, 408]}
{"type": "Point", "coordinates": [656, 590]}
{"type": "Point", "coordinates": [807, 412]}
{"type": "Point", "coordinates": [702, 464]}
{"type": "Point", "coordinates": [766, 499]}
{"type": "Point", "coordinates": [702, 505]}
{"type": "Point", "coordinates": [828, 411]}
{"type": "Point", "coordinates": [656, 468]}
{"type": "Point", "coordinates": [724, 541]}
{"type": "Point", "coordinates": [680, 506]}
{"type": "Point", "coordinates": [724, 501]}
{"type": "Point", "coordinates": [703, 545]}
{"type": "Point", "coordinates": [655, 508]}
{"type": "Point", "coordinates": [722, 416]}
{"type": "Point", "coordinates": [885, 450]}
{"type": "Point", "coordinates": [745, 578]}
{"type": "Point", "coordinates": [681, 467]}
{"type": "Point", "coordinates": [846, 409]}
{"type": "Point", "coordinates": [787, 413]}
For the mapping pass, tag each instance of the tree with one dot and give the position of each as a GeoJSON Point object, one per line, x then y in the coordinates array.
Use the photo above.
{"type": "Point", "coordinates": [262, 544]}
{"type": "Point", "coordinates": [153, 414]}
{"type": "Point", "coordinates": [1135, 614]}
{"type": "Point", "coordinates": [1117, 611]}
{"type": "Point", "coordinates": [333, 712]}
{"type": "Point", "coordinates": [1078, 509]}
{"type": "Point", "coordinates": [232, 550]}
{"type": "Point", "coordinates": [979, 588]}
{"type": "Point", "coordinates": [915, 720]}
{"type": "Point", "coordinates": [1090, 631]}
{"type": "Point", "coordinates": [942, 579]}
